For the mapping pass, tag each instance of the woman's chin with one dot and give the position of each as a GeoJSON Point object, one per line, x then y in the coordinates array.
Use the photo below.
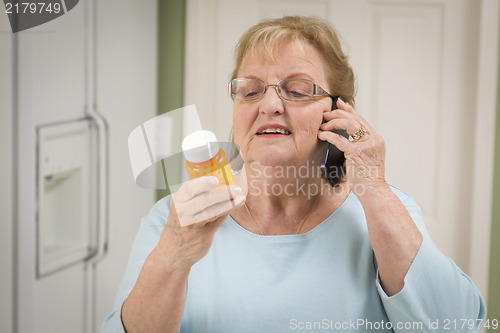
{"type": "Point", "coordinates": [274, 159]}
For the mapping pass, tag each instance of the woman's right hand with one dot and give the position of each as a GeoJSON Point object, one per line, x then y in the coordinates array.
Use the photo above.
{"type": "Point", "coordinates": [198, 209]}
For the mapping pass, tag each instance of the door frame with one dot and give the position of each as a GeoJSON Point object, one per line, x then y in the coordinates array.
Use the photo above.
{"type": "Point", "coordinates": [484, 145]}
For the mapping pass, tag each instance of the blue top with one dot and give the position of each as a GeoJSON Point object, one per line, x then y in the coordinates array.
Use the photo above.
{"type": "Point", "coordinates": [323, 280]}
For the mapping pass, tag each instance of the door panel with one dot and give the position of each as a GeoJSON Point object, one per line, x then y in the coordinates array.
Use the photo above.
{"type": "Point", "coordinates": [58, 301]}
{"type": "Point", "coordinates": [52, 75]}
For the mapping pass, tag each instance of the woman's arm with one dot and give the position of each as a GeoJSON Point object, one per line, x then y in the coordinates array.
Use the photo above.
{"type": "Point", "coordinates": [437, 296]}
{"type": "Point", "coordinates": [156, 302]}
{"type": "Point", "coordinates": [416, 281]}
{"type": "Point", "coordinates": [394, 236]}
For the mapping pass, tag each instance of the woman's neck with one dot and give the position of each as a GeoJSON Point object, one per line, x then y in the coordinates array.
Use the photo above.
{"type": "Point", "coordinates": [287, 200]}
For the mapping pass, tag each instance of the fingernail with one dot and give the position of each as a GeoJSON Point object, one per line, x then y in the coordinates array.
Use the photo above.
{"type": "Point", "coordinates": [239, 200]}
{"type": "Point", "coordinates": [214, 180]}
{"type": "Point", "coordinates": [236, 190]}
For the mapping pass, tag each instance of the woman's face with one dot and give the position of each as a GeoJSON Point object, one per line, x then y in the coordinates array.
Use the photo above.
{"type": "Point", "coordinates": [300, 119]}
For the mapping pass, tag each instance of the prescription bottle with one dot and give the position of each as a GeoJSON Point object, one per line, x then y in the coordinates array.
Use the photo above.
{"type": "Point", "coordinates": [204, 157]}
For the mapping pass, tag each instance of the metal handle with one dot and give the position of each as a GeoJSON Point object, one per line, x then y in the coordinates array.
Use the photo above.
{"type": "Point", "coordinates": [102, 186]}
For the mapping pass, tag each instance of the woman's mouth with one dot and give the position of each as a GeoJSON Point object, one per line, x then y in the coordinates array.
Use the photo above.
{"type": "Point", "coordinates": [274, 131]}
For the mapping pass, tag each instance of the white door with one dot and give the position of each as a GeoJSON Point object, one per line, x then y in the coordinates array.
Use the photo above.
{"type": "Point", "coordinates": [99, 52]}
{"type": "Point", "coordinates": [55, 215]}
{"type": "Point", "coordinates": [417, 69]}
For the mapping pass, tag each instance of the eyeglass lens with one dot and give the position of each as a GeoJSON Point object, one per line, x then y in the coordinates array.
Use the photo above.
{"type": "Point", "coordinates": [249, 89]}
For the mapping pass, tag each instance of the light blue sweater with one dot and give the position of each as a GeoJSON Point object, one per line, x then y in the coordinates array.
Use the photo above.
{"type": "Point", "coordinates": [323, 280]}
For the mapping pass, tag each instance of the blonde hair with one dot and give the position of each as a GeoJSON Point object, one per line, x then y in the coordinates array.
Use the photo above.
{"type": "Point", "coordinates": [266, 36]}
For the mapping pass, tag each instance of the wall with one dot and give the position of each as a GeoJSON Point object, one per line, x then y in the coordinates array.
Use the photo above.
{"type": "Point", "coordinates": [126, 96]}
{"type": "Point", "coordinates": [171, 36]}
{"type": "Point", "coordinates": [494, 285]}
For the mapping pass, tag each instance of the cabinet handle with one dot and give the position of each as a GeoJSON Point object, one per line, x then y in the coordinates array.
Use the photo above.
{"type": "Point", "coordinates": [101, 232]}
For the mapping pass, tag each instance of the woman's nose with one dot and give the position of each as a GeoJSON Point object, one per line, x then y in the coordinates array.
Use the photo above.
{"type": "Point", "coordinates": [271, 102]}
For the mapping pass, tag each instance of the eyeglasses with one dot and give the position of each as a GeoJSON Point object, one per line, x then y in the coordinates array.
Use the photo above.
{"type": "Point", "coordinates": [295, 90]}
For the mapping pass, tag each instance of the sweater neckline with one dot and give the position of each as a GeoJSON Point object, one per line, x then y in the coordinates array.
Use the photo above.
{"type": "Point", "coordinates": [324, 224]}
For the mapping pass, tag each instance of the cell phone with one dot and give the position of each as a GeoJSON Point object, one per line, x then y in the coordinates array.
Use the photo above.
{"type": "Point", "coordinates": [332, 160]}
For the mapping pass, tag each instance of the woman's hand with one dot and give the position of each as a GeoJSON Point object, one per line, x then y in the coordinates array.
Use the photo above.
{"type": "Point", "coordinates": [198, 209]}
{"type": "Point", "coordinates": [394, 236]}
{"type": "Point", "coordinates": [156, 303]}
{"type": "Point", "coordinates": [365, 157]}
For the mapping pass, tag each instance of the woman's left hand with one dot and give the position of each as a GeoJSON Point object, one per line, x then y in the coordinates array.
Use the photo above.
{"type": "Point", "coordinates": [387, 219]}
{"type": "Point", "coordinates": [365, 154]}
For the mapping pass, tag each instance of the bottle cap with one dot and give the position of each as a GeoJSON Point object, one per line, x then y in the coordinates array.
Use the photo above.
{"type": "Point", "coordinates": [200, 146]}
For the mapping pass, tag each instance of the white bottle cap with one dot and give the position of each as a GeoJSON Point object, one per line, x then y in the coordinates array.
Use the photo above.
{"type": "Point", "coordinates": [200, 146]}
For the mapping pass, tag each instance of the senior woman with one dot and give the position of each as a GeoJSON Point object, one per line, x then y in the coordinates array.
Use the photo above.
{"type": "Point", "coordinates": [285, 257]}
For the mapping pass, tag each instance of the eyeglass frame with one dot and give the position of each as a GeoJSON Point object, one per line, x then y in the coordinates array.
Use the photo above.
{"type": "Point", "coordinates": [317, 90]}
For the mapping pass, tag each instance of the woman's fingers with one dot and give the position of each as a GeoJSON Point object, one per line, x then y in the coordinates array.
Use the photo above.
{"type": "Point", "coordinates": [204, 201]}
{"type": "Point", "coordinates": [350, 125]}
{"type": "Point", "coordinates": [213, 197]}
{"type": "Point", "coordinates": [346, 118]}
{"type": "Point", "coordinates": [215, 203]}
{"type": "Point", "coordinates": [198, 209]}
{"type": "Point", "coordinates": [335, 139]}
{"type": "Point", "coordinates": [365, 153]}
{"type": "Point", "coordinates": [336, 114]}
{"type": "Point", "coordinates": [345, 111]}
{"type": "Point", "coordinates": [216, 211]}
{"type": "Point", "coordinates": [195, 187]}
{"type": "Point", "coordinates": [341, 105]}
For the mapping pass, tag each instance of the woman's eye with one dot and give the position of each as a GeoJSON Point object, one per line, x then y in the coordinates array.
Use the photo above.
{"type": "Point", "coordinates": [251, 93]}
{"type": "Point", "coordinates": [296, 93]}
